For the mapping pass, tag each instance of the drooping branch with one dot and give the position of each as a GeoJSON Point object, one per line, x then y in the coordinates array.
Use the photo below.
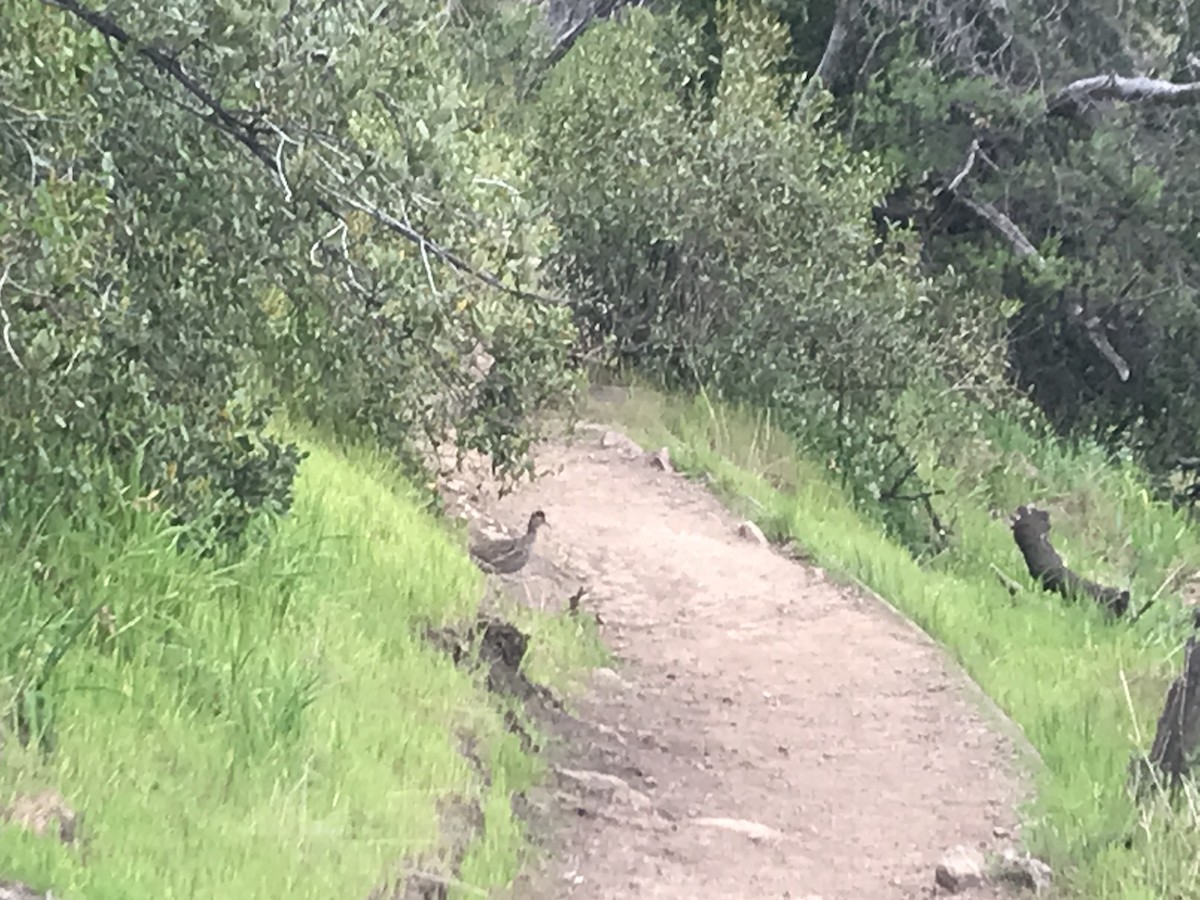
{"type": "Point", "coordinates": [576, 22]}
{"type": "Point", "coordinates": [1010, 233]}
{"type": "Point", "coordinates": [1083, 94]}
{"type": "Point", "coordinates": [1004, 227]}
{"type": "Point", "coordinates": [1094, 330]}
{"type": "Point", "coordinates": [1031, 530]}
{"type": "Point", "coordinates": [253, 132]}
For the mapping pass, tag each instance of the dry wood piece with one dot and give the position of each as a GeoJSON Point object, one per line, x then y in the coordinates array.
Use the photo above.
{"type": "Point", "coordinates": [1031, 530]}
{"type": "Point", "coordinates": [1178, 733]}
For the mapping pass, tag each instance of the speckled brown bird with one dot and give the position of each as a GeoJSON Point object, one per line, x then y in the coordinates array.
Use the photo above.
{"type": "Point", "coordinates": [504, 556]}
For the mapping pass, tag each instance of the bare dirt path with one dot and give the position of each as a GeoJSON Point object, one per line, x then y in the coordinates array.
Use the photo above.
{"type": "Point", "coordinates": [767, 733]}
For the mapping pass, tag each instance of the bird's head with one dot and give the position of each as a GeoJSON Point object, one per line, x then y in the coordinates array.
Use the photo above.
{"type": "Point", "coordinates": [536, 521]}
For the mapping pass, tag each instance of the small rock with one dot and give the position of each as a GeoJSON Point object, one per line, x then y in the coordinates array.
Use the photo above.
{"type": "Point", "coordinates": [40, 813]}
{"type": "Point", "coordinates": [796, 553]}
{"type": "Point", "coordinates": [614, 440]}
{"type": "Point", "coordinates": [961, 868]}
{"type": "Point", "coordinates": [607, 787]}
{"type": "Point", "coordinates": [15, 890]}
{"type": "Point", "coordinates": [756, 831]}
{"type": "Point", "coordinates": [752, 532]}
{"type": "Point", "coordinates": [661, 459]}
{"type": "Point", "coordinates": [1001, 832]}
{"type": "Point", "coordinates": [608, 677]}
{"type": "Point", "coordinates": [589, 780]}
{"type": "Point", "coordinates": [1023, 870]}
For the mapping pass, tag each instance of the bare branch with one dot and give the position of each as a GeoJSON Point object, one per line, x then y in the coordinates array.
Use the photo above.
{"type": "Point", "coordinates": [952, 187]}
{"type": "Point", "coordinates": [1083, 94]}
{"type": "Point", "coordinates": [1095, 332]}
{"type": "Point", "coordinates": [8, 323]}
{"type": "Point", "coordinates": [1005, 227]}
{"type": "Point", "coordinates": [565, 40]}
{"type": "Point", "coordinates": [1011, 233]}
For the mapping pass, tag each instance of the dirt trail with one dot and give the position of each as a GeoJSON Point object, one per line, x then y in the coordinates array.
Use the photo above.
{"type": "Point", "coordinates": [767, 734]}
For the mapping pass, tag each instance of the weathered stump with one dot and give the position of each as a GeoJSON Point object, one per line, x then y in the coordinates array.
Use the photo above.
{"type": "Point", "coordinates": [1178, 733]}
{"type": "Point", "coordinates": [1031, 531]}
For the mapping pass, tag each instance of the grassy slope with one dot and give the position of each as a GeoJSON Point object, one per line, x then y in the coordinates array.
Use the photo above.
{"type": "Point", "coordinates": [275, 728]}
{"type": "Point", "coordinates": [1085, 693]}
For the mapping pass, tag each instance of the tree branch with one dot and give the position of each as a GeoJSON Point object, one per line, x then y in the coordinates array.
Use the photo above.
{"type": "Point", "coordinates": [1170, 759]}
{"type": "Point", "coordinates": [1011, 233]}
{"type": "Point", "coordinates": [1084, 93]}
{"type": "Point", "coordinates": [248, 133]}
{"type": "Point", "coordinates": [1094, 330]}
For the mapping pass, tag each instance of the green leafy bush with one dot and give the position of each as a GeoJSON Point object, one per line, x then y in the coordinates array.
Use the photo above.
{"type": "Point", "coordinates": [729, 244]}
{"type": "Point", "coordinates": [124, 309]}
{"type": "Point", "coordinates": [266, 209]}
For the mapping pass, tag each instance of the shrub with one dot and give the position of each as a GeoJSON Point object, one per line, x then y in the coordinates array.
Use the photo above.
{"type": "Point", "coordinates": [729, 244]}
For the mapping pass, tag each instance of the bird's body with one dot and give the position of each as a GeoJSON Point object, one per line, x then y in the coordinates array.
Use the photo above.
{"type": "Point", "coordinates": [507, 555]}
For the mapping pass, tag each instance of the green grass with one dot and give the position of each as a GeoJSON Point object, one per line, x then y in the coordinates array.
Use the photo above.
{"type": "Point", "coordinates": [1087, 694]}
{"type": "Point", "coordinates": [274, 727]}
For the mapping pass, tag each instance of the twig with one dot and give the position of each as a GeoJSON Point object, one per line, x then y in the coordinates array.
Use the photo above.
{"type": "Point", "coordinates": [1014, 587]}
{"type": "Point", "coordinates": [8, 322]}
{"type": "Point", "coordinates": [573, 601]}
{"type": "Point", "coordinates": [967, 166]}
{"type": "Point", "coordinates": [1158, 593]}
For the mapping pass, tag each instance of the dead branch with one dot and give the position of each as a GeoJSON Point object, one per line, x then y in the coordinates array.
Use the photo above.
{"type": "Point", "coordinates": [952, 187]}
{"type": "Point", "coordinates": [1010, 584]}
{"type": "Point", "coordinates": [1083, 94]}
{"type": "Point", "coordinates": [1003, 226]}
{"type": "Point", "coordinates": [1094, 330]}
{"type": "Point", "coordinates": [1011, 233]}
{"type": "Point", "coordinates": [1031, 530]}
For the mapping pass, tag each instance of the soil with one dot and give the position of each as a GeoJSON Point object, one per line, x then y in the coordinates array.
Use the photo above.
{"type": "Point", "coordinates": [765, 731]}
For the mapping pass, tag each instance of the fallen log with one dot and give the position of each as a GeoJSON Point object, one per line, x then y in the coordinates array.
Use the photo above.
{"type": "Point", "coordinates": [1031, 530]}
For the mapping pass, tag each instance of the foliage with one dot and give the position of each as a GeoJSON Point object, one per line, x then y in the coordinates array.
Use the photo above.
{"type": "Point", "coordinates": [728, 245]}
{"type": "Point", "coordinates": [1104, 194]}
{"type": "Point", "coordinates": [219, 726]}
{"type": "Point", "coordinates": [188, 235]}
{"type": "Point", "coordinates": [1085, 693]}
{"type": "Point", "coordinates": [119, 298]}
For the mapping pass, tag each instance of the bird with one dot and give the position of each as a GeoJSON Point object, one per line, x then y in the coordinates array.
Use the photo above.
{"type": "Point", "coordinates": [507, 555]}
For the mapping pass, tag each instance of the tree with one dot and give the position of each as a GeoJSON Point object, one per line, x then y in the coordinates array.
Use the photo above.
{"type": "Point", "coordinates": [209, 204]}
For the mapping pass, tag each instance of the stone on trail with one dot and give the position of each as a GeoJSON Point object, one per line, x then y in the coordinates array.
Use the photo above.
{"type": "Point", "coordinates": [756, 831]}
{"type": "Point", "coordinates": [752, 532]}
{"type": "Point", "coordinates": [961, 868]}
